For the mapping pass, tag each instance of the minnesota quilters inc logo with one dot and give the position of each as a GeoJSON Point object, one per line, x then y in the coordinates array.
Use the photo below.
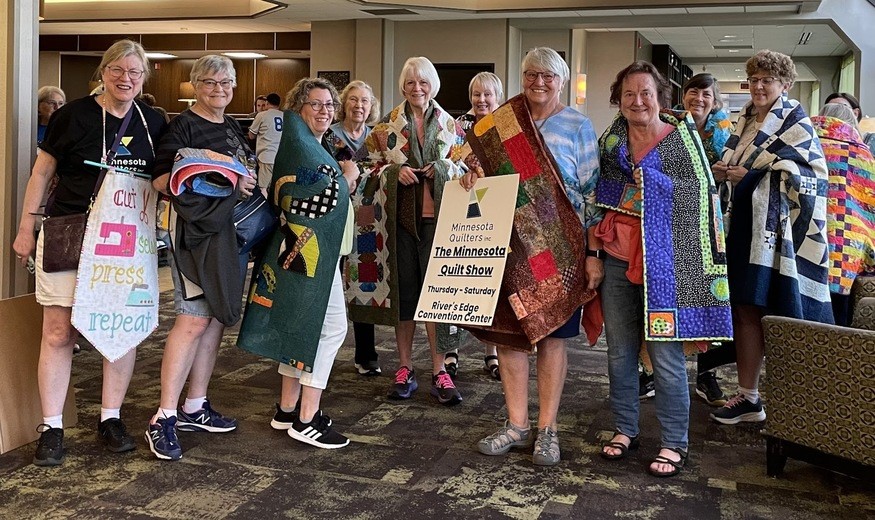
{"type": "Point", "coordinates": [474, 199]}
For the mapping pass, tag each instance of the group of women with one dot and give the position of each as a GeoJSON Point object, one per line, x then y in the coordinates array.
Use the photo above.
{"type": "Point", "coordinates": [666, 181]}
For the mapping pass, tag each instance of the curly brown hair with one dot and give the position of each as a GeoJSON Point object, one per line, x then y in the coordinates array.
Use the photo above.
{"type": "Point", "coordinates": [663, 87]}
{"type": "Point", "coordinates": [777, 64]}
{"type": "Point", "coordinates": [296, 97]}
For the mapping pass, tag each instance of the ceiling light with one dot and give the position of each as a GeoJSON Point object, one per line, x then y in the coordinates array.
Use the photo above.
{"type": "Point", "coordinates": [733, 50]}
{"type": "Point", "coordinates": [244, 55]}
{"type": "Point", "coordinates": [737, 70]}
{"type": "Point", "coordinates": [730, 36]}
{"type": "Point", "coordinates": [804, 37]}
{"type": "Point", "coordinates": [159, 55]}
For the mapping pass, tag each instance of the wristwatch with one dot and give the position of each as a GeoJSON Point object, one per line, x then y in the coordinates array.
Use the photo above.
{"type": "Point", "coordinates": [598, 253]}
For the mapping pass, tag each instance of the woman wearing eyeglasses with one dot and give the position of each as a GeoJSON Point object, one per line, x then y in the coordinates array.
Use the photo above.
{"type": "Point", "coordinates": [84, 129]}
{"type": "Point", "coordinates": [415, 150]}
{"type": "Point", "coordinates": [49, 99]}
{"type": "Point", "coordinates": [778, 258]}
{"type": "Point", "coordinates": [555, 259]}
{"type": "Point", "coordinates": [193, 342]}
{"type": "Point", "coordinates": [297, 312]}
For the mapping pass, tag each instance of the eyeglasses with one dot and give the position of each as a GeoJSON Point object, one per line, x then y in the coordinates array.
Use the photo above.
{"type": "Point", "coordinates": [317, 106]}
{"type": "Point", "coordinates": [532, 75]}
{"type": "Point", "coordinates": [56, 104]}
{"type": "Point", "coordinates": [211, 83]}
{"type": "Point", "coordinates": [763, 81]}
{"type": "Point", "coordinates": [117, 72]}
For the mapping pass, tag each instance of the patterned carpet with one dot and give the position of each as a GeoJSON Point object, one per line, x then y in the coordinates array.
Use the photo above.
{"type": "Point", "coordinates": [412, 459]}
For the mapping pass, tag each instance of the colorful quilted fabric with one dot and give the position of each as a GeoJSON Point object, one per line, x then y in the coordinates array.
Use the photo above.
{"type": "Point", "coordinates": [381, 203]}
{"type": "Point", "coordinates": [544, 282]}
{"type": "Point", "coordinates": [850, 202]}
{"type": "Point", "coordinates": [777, 237]}
{"type": "Point", "coordinates": [289, 292]}
{"type": "Point", "coordinates": [686, 294]}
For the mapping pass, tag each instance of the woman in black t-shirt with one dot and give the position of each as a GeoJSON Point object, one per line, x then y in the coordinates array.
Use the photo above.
{"type": "Point", "coordinates": [77, 133]}
{"type": "Point", "coordinates": [193, 343]}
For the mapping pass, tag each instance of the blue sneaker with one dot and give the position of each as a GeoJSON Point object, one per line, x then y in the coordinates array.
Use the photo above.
{"type": "Point", "coordinates": [206, 420]}
{"type": "Point", "coordinates": [405, 384]}
{"type": "Point", "coordinates": [162, 440]}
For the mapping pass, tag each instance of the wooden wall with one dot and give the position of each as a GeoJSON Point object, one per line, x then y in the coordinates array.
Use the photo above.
{"type": "Point", "coordinates": [254, 77]}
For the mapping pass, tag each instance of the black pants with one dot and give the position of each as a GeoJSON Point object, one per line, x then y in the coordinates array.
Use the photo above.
{"type": "Point", "coordinates": [716, 357]}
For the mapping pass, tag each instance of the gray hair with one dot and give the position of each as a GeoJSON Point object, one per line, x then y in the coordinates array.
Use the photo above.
{"type": "Point", "coordinates": [547, 59]}
{"type": "Point", "coordinates": [422, 67]}
{"type": "Point", "coordinates": [373, 115]}
{"type": "Point", "coordinates": [122, 49]}
{"type": "Point", "coordinates": [44, 92]}
{"type": "Point", "coordinates": [487, 80]}
{"type": "Point", "coordinates": [296, 97]}
{"type": "Point", "coordinates": [212, 63]}
{"type": "Point", "coordinates": [840, 111]}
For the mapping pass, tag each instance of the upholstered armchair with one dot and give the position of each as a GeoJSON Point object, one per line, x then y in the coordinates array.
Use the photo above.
{"type": "Point", "coordinates": [820, 387]}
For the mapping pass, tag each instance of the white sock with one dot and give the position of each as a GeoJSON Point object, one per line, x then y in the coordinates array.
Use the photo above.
{"type": "Point", "coordinates": [193, 405]}
{"type": "Point", "coordinates": [109, 413]}
{"type": "Point", "coordinates": [55, 421]}
{"type": "Point", "coordinates": [752, 395]}
{"type": "Point", "coordinates": [164, 413]}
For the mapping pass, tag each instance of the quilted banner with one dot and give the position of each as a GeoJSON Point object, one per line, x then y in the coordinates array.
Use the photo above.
{"type": "Point", "coordinates": [115, 305]}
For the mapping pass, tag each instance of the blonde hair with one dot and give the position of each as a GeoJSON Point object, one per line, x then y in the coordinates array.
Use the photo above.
{"type": "Point", "coordinates": [487, 80]}
{"type": "Point", "coordinates": [44, 92]}
{"type": "Point", "coordinates": [122, 49]}
{"type": "Point", "coordinates": [373, 115]}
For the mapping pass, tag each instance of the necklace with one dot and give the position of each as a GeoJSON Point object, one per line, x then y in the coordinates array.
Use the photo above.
{"type": "Point", "coordinates": [105, 156]}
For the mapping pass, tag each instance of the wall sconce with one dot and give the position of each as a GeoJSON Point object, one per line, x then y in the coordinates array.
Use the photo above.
{"type": "Point", "coordinates": [93, 87]}
{"type": "Point", "coordinates": [186, 93]}
{"type": "Point", "coordinates": [581, 89]}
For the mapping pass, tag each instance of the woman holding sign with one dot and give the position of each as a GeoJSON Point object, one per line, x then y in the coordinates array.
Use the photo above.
{"type": "Point", "coordinates": [549, 274]}
{"type": "Point", "coordinates": [415, 151]}
{"type": "Point", "coordinates": [83, 130]}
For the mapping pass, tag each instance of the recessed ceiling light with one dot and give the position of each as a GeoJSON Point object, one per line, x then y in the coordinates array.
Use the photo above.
{"type": "Point", "coordinates": [244, 55]}
{"type": "Point", "coordinates": [737, 70]}
{"type": "Point", "coordinates": [159, 55]}
{"type": "Point", "coordinates": [730, 36]}
{"type": "Point", "coordinates": [733, 50]}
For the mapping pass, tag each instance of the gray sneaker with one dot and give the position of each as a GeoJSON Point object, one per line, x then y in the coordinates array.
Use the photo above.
{"type": "Point", "coordinates": [507, 437]}
{"type": "Point", "coordinates": [546, 447]}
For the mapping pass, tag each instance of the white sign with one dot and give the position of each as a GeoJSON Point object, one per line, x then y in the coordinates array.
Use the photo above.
{"type": "Point", "coordinates": [469, 252]}
{"type": "Point", "coordinates": [115, 305]}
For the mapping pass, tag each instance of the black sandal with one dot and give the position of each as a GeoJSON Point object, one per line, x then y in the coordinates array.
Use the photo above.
{"type": "Point", "coordinates": [492, 369]}
{"type": "Point", "coordinates": [677, 466]}
{"type": "Point", "coordinates": [634, 442]}
{"type": "Point", "coordinates": [451, 366]}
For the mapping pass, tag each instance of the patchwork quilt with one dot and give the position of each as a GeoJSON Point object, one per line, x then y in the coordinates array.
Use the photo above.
{"type": "Point", "coordinates": [544, 282]}
{"type": "Point", "coordinates": [686, 290]}
{"type": "Point", "coordinates": [290, 286]}
{"type": "Point", "coordinates": [850, 202]}
{"type": "Point", "coordinates": [779, 255]}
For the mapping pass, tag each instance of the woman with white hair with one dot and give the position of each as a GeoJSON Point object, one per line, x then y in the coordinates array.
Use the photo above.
{"type": "Point", "coordinates": [414, 151]}
{"type": "Point", "coordinates": [544, 227]}
{"type": "Point", "coordinates": [193, 342]}
{"type": "Point", "coordinates": [49, 99]}
{"type": "Point", "coordinates": [485, 93]}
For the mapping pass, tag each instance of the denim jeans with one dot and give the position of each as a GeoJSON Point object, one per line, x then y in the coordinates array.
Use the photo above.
{"type": "Point", "coordinates": [623, 306]}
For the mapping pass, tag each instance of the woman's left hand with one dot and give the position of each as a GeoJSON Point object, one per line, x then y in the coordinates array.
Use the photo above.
{"type": "Point", "coordinates": [247, 185]}
{"type": "Point", "coordinates": [595, 272]}
{"type": "Point", "coordinates": [351, 173]}
{"type": "Point", "coordinates": [735, 173]}
{"type": "Point", "coordinates": [428, 170]}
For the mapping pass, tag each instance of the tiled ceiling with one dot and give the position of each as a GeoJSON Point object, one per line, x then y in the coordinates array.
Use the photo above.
{"type": "Point", "coordinates": [719, 48]}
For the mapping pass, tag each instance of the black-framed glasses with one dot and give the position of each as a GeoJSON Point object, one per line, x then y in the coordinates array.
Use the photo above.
{"type": "Point", "coordinates": [532, 75]}
{"type": "Point", "coordinates": [768, 80]}
{"type": "Point", "coordinates": [317, 106]}
{"type": "Point", "coordinates": [211, 83]}
{"type": "Point", "coordinates": [117, 72]}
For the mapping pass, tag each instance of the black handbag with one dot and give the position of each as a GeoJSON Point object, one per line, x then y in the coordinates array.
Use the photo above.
{"type": "Point", "coordinates": [254, 221]}
{"type": "Point", "coordinates": [63, 235]}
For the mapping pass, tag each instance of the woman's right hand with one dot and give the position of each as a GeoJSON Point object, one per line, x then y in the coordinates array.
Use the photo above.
{"type": "Point", "coordinates": [24, 246]}
{"type": "Point", "coordinates": [469, 180]}
{"type": "Point", "coordinates": [407, 176]}
{"type": "Point", "coordinates": [719, 171]}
